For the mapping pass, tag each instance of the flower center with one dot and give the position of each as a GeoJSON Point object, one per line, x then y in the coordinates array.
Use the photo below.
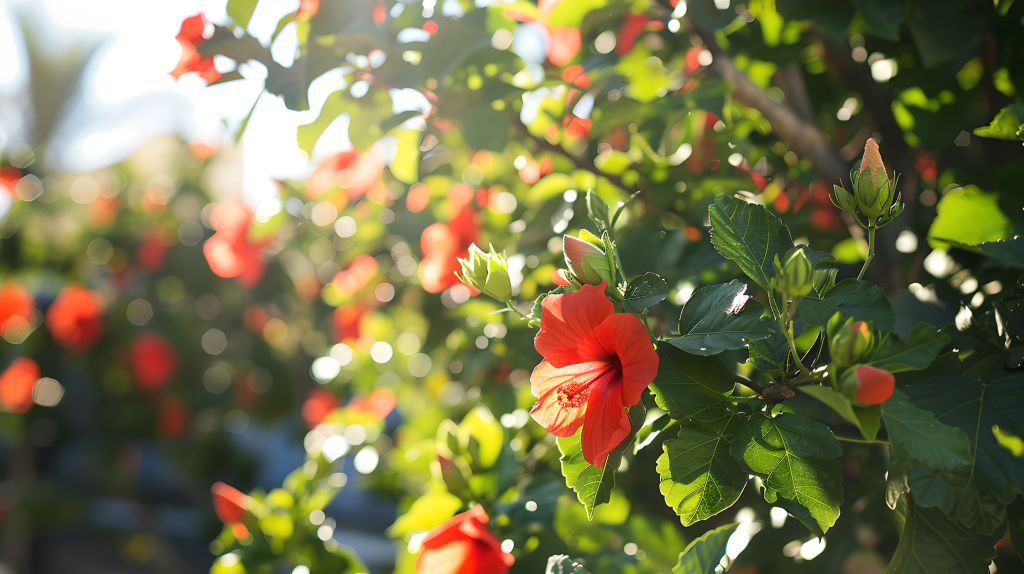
{"type": "Point", "coordinates": [573, 395]}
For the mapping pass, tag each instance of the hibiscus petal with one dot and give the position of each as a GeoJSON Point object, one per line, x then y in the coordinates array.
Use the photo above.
{"type": "Point", "coordinates": [606, 423]}
{"type": "Point", "coordinates": [567, 324]}
{"type": "Point", "coordinates": [625, 336]}
{"type": "Point", "coordinates": [563, 394]}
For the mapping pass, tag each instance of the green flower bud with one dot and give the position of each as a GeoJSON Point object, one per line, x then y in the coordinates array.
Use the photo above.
{"type": "Point", "coordinates": [871, 185]}
{"type": "Point", "coordinates": [487, 273]}
{"type": "Point", "coordinates": [586, 260]}
{"type": "Point", "coordinates": [793, 274]}
{"type": "Point", "coordinates": [852, 343]}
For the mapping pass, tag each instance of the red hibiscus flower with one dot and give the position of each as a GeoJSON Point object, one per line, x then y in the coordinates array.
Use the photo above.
{"type": "Point", "coordinates": [319, 403]}
{"type": "Point", "coordinates": [230, 252]}
{"type": "Point", "coordinates": [16, 385]}
{"type": "Point", "coordinates": [194, 31]}
{"type": "Point", "coordinates": [15, 303]}
{"type": "Point", "coordinates": [152, 252]}
{"type": "Point", "coordinates": [354, 171]}
{"type": "Point", "coordinates": [153, 360]}
{"type": "Point", "coordinates": [874, 386]}
{"type": "Point", "coordinates": [351, 280]}
{"type": "Point", "coordinates": [347, 320]}
{"type": "Point", "coordinates": [172, 417]}
{"type": "Point", "coordinates": [463, 545]}
{"type": "Point", "coordinates": [230, 503]}
{"type": "Point", "coordinates": [596, 363]}
{"type": "Point", "coordinates": [442, 244]}
{"type": "Point", "coordinates": [75, 319]}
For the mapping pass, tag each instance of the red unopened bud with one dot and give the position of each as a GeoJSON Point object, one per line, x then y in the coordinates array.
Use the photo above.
{"type": "Point", "coordinates": [230, 503]}
{"type": "Point", "coordinates": [874, 386]}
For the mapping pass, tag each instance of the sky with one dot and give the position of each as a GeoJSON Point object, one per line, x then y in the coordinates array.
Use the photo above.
{"type": "Point", "coordinates": [130, 97]}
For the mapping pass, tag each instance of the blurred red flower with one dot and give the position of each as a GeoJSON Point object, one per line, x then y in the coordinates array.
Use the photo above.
{"type": "Point", "coordinates": [154, 360]}
{"type": "Point", "coordinates": [172, 417]}
{"type": "Point", "coordinates": [441, 244]}
{"type": "Point", "coordinates": [630, 29]}
{"type": "Point", "coordinates": [230, 503]}
{"type": "Point", "coordinates": [596, 363]}
{"type": "Point", "coordinates": [75, 318]}
{"type": "Point", "coordinates": [151, 252]}
{"type": "Point", "coordinates": [308, 8]}
{"type": "Point", "coordinates": [319, 402]}
{"type": "Point", "coordinates": [9, 177]}
{"type": "Point", "coordinates": [565, 43]}
{"type": "Point", "coordinates": [16, 384]}
{"type": "Point", "coordinates": [354, 171]}
{"type": "Point", "coordinates": [377, 406]}
{"type": "Point", "coordinates": [15, 302]}
{"type": "Point", "coordinates": [463, 545]}
{"type": "Point", "coordinates": [352, 280]}
{"type": "Point", "coordinates": [194, 31]}
{"type": "Point", "coordinates": [347, 320]}
{"type": "Point", "coordinates": [230, 252]}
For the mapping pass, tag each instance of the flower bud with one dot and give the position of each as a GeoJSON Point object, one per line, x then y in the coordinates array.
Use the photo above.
{"type": "Point", "coordinates": [851, 343]}
{"type": "Point", "coordinates": [793, 275]}
{"type": "Point", "coordinates": [587, 261]}
{"type": "Point", "coordinates": [486, 272]}
{"type": "Point", "coordinates": [871, 185]}
{"type": "Point", "coordinates": [867, 385]}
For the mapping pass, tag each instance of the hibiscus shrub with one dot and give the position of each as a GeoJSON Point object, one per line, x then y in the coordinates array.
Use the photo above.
{"type": "Point", "coordinates": [612, 286]}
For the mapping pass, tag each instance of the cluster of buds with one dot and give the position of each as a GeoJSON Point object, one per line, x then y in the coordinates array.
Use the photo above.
{"type": "Point", "coordinates": [487, 273]}
{"type": "Point", "coordinates": [850, 342]}
{"type": "Point", "coordinates": [872, 195]}
{"type": "Point", "coordinates": [587, 260]}
{"type": "Point", "coordinates": [793, 274]}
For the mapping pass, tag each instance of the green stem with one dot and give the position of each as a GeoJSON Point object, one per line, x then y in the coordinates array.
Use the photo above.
{"type": "Point", "coordinates": [787, 330]}
{"type": "Point", "coordinates": [757, 400]}
{"type": "Point", "coordinates": [860, 440]}
{"type": "Point", "coordinates": [517, 311]}
{"type": "Point", "coordinates": [650, 333]}
{"type": "Point", "coordinates": [871, 249]}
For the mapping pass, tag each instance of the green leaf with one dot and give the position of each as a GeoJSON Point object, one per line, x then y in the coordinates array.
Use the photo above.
{"type": "Point", "coordinates": [916, 437]}
{"type": "Point", "coordinates": [719, 318]}
{"type": "Point", "coordinates": [1009, 441]}
{"type": "Point", "coordinates": [549, 186]}
{"type": "Point", "coordinates": [857, 299]}
{"type": "Point", "coordinates": [976, 497]}
{"type": "Point", "coordinates": [704, 554]}
{"type": "Point", "coordinates": [241, 11]}
{"type": "Point", "coordinates": [916, 353]}
{"type": "Point", "coordinates": [969, 215]}
{"type": "Point", "coordinates": [771, 353]}
{"type": "Point", "coordinates": [405, 166]}
{"type": "Point", "coordinates": [865, 418]}
{"type": "Point", "coordinates": [795, 457]}
{"type": "Point", "coordinates": [749, 235]}
{"type": "Point", "coordinates": [1015, 516]}
{"type": "Point", "coordinates": [1009, 251]}
{"type": "Point", "coordinates": [593, 485]}
{"type": "Point", "coordinates": [882, 17]}
{"type": "Point", "coordinates": [687, 384]}
{"type": "Point", "coordinates": [562, 564]}
{"type": "Point", "coordinates": [485, 128]}
{"type": "Point", "coordinates": [932, 543]}
{"type": "Point", "coordinates": [426, 512]}
{"type": "Point", "coordinates": [644, 292]}
{"type": "Point", "coordinates": [917, 434]}
{"type": "Point", "coordinates": [699, 477]}
{"type": "Point", "coordinates": [1005, 126]}
{"type": "Point", "coordinates": [597, 210]}
{"type": "Point", "coordinates": [801, 514]}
